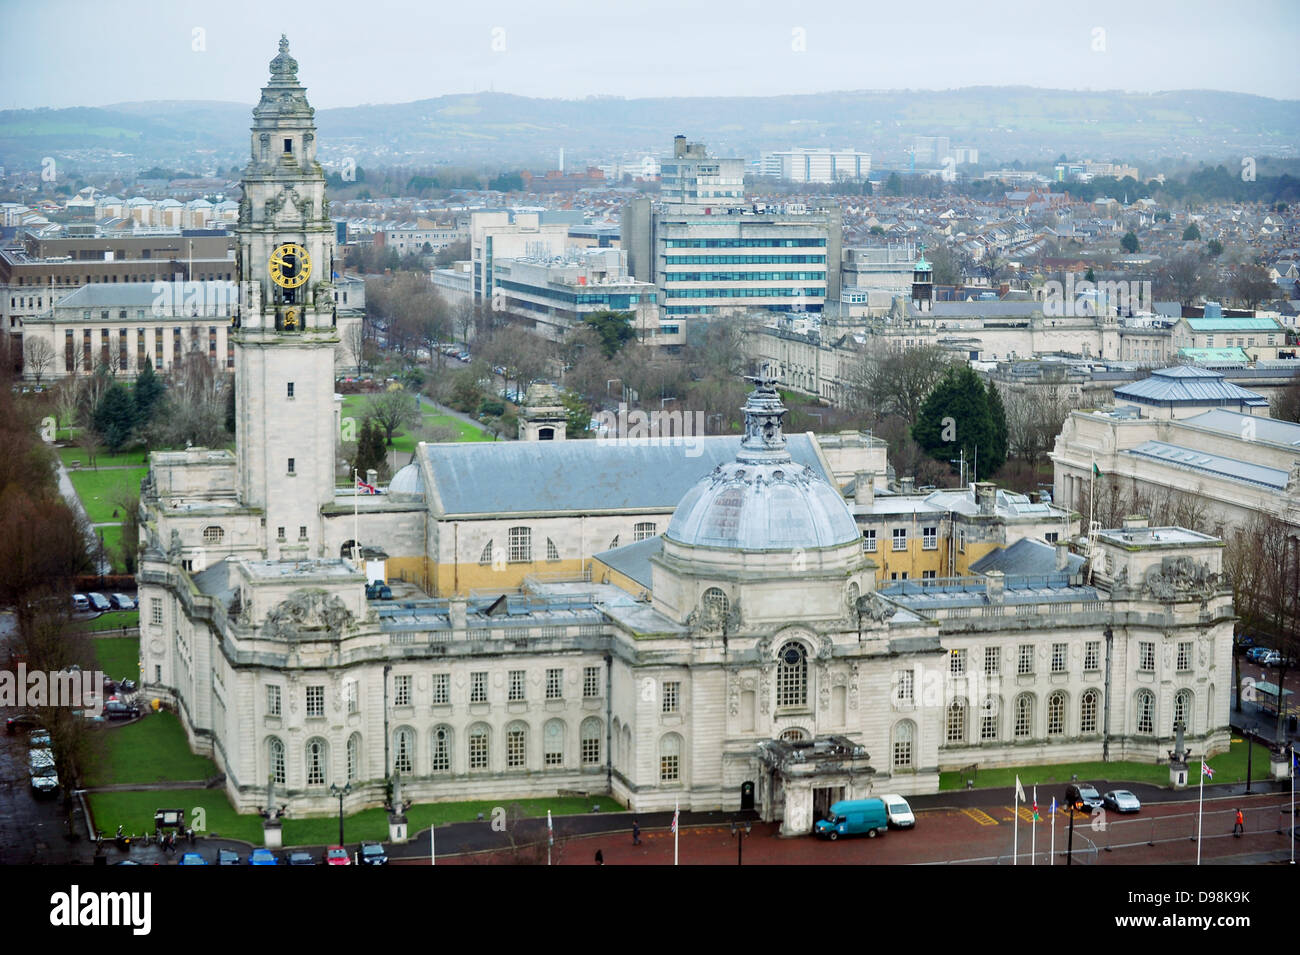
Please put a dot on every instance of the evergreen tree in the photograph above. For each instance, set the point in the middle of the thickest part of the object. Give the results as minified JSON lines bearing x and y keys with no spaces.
{"x":371,"y":449}
{"x":955,"y":418}
{"x":149,"y":390}
{"x":115,"y":417}
{"x":1192,"y":233}
{"x":997,"y":453}
{"x":1130,"y":243}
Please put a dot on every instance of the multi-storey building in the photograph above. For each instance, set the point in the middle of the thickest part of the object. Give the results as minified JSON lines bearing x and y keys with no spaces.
{"x":816,"y":165}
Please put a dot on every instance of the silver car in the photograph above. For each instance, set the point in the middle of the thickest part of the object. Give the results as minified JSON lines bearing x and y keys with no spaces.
{"x":1121,"y":800}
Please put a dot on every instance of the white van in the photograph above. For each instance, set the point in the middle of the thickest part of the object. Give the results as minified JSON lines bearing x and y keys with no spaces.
{"x":898,"y":811}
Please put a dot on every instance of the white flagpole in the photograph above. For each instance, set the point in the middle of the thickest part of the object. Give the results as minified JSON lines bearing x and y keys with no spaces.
{"x":1033,"y":835}
{"x":1051,"y":858}
{"x":1199,"y":807}
{"x":356,"y":534}
{"x":550,"y":837}
{"x":1015,"y":830}
{"x":1292,"y":802}
{"x":676,"y":828}
{"x":433,"y":853}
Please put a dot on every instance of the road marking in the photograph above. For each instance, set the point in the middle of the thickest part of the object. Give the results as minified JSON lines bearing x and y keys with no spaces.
{"x":1024,"y":813}
{"x":980,"y":816}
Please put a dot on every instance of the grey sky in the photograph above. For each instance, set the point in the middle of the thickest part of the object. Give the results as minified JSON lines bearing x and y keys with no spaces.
{"x":91,"y":53}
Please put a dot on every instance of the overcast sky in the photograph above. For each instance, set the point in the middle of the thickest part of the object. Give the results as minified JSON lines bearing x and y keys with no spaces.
{"x":92,"y":53}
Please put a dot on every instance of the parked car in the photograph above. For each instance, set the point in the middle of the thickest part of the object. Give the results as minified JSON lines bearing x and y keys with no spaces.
{"x":39,"y":739}
{"x":1255,"y":653}
{"x":337,"y":855}
{"x":373,"y":853}
{"x":192,"y":858}
{"x":263,"y":857}
{"x":123,"y":601}
{"x":898,"y":811}
{"x":301,"y":858}
{"x":80,"y":603}
{"x":127,"y":686}
{"x":1121,"y":800}
{"x":1077,"y":793}
{"x":117,"y":710}
{"x":44,"y":777}
{"x":1244,"y":640}
{"x":228,"y":857}
{"x":1270,"y":658}
{"x":99,"y":602}
{"x":19,"y":720}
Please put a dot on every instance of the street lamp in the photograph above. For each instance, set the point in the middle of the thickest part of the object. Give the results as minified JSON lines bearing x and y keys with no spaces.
{"x":740,"y":831}
{"x":336,"y":791}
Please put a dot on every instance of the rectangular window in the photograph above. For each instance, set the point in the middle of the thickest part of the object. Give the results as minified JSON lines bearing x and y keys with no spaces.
{"x":555,"y":684}
{"x":869,"y":540}
{"x":155,"y":610}
{"x":957,"y":663}
{"x":672,"y":696}
{"x":669,"y":767}
{"x":1092,"y":655}
{"x":478,"y":750}
{"x":350,"y":696}
{"x":272,"y":701}
{"x":1146,"y":655}
{"x":1026,"y":662}
{"x":1059,"y":653}
{"x":402,"y":690}
{"x":279,"y":533}
{"x":929,"y":538}
{"x":521,"y":545}
{"x":643,"y":530}
{"x":315,"y":701}
{"x":1185,"y":656}
{"x":927,"y":575}
{"x":291,"y":465}
{"x":442,"y":688}
{"x":900,"y":538}
{"x":290,"y":390}
{"x":478,"y":687}
{"x":516,"y":686}
{"x":590,"y":749}
{"x":590,"y":682}
{"x":302,"y":532}
{"x":903,"y":686}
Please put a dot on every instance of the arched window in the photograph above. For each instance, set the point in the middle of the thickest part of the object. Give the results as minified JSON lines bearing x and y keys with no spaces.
{"x":794,"y":735}
{"x":1024,"y":716}
{"x":1183,"y":710}
{"x":404,"y":751}
{"x":1146,"y":713}
{"x":479,"y":741}
{"x":316,"y":762}
{"x":792,"y":675}
{"x":989,"y":719}
{"x":1056,"y":714}
{"x":521,"y":545}
{"x":627,"y":747}
{"x":552,"y":552}
{"x":441,"y":750}
{"x":516,"y":746}
{"x":1088,"y":712}
{"x":213,"y":534}
{"x":670,"y":758}
{"x":590,"y":735}
{"x":485,"y":556}
{"x":553,"y":743}
{"x":957,"y":721}
{"x":715,"y":603}
{"x":275,"y":756}
{"x":617,"y":737}
{"x":354,"y":757}
{"x":904,"y":734}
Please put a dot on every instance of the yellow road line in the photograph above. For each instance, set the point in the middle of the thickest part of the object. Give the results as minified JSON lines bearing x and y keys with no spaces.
{"x":980,"y":816}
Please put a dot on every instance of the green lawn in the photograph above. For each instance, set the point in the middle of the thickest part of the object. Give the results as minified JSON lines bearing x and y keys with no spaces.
{"x":1228,"y":767}
{"x":114,"y":620}
{"x":97,"y":489}
{"x":134,"y":812}
{"x":119,"y":657}
{"x":150,"y":750}
{"x":404,"y":441}
{"x":112,"y":537}
{"x":102,"y":460}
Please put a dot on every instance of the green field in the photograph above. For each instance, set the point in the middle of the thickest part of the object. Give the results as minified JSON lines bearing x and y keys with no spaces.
{"x":97,"y":490}
{"x":404,"y":441}
{"x":112,"y":538}
{"x":133,"y":811}
{"x":102,"y":460}
{"x":114,"y":620}
{"x":1229,"y":767}
{"x":119,"y":657}
{"x":150,"y":750}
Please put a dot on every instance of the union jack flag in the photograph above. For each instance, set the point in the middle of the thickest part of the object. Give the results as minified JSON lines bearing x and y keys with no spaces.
{"x":365,"y":488}
{"x":676,"y":812}
{"x":1207,"y":771}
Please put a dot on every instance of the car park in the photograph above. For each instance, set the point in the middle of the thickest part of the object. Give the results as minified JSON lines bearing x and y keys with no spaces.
{"x":99,"y":602}
{"x":1270,"y":658}
{"x":123,"y":601}
{"x":301,"y":858}
{"x":373,"y":853}
{"x":44,"y":777}
{"x":80,"y":603}
{"x":39,"y":739}
{"x":1121,"y":800}
{"x":192,"y":858}
{"x":1077,"y":793}
{"x":263,"y":857}
{"x":337,"y":855}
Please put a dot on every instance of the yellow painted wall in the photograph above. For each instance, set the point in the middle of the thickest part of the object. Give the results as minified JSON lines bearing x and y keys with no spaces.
{"x":446,"y":580}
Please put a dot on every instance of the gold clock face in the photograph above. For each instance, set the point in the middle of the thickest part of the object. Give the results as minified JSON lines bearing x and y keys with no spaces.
{"x":290,"y":265}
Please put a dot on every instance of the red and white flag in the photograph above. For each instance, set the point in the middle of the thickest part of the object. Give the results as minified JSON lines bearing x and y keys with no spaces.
{"x":365,"y":488}
{"x":676,"y":812}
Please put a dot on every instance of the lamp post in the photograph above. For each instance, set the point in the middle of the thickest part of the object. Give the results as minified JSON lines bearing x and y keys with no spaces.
{"x":740,"y":831}
{"x":336,"y":791}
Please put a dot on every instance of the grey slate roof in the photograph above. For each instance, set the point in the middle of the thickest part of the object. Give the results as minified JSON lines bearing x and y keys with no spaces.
{"x":1265,"y":429}
{"x":522,"y":477}
{"x":1025,"y":556}
{"x":1187,"y":384}
{"x":634,"y":559}
{"x":1216,"y":464}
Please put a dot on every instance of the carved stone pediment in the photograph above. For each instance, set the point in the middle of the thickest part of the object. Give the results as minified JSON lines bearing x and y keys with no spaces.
{"x":308,"y":615}
{"x":1181,"y":577}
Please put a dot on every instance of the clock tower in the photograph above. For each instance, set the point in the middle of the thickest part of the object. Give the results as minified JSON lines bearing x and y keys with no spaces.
{"x":285,"y":331}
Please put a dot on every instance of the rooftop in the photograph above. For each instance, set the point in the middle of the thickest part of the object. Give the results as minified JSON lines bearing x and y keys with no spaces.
{"x":1235,"y":423}
{"x":1219,"y":465}
{"x":1188,"y":384}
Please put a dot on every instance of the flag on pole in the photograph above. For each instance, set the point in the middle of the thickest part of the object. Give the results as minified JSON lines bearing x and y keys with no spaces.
{"x":1206,"y":770}
{"x":365,"y":488}
{"x":1096,"y":471}
{"x":1035,"y":804}
{"x":1052,"y":809}
{"x":550,"y":830}
{"x":675,"y":814}
{"x":1020,"y":791}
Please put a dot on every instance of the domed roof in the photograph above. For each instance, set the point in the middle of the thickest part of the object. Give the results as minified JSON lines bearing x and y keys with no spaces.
{"x":763,"y":500}
{"x":407,"y":482}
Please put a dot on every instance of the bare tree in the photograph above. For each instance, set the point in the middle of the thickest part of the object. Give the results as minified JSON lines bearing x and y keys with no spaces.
{"x":893,"y":381}
{"x":38,"y":358}
{"x":392,"y":410}
{"x":1251,"y":285}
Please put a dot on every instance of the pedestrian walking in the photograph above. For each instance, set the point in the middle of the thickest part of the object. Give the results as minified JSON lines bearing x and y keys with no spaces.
{"x":1239,"y":826}
{"x":600,"y":857}
{"x":636,"y":833}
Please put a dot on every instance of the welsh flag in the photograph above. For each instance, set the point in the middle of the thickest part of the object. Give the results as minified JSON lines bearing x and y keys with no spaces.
{"x":1096,"y":471}
{"x":1035,"y":804}
{"x":365,"y":488}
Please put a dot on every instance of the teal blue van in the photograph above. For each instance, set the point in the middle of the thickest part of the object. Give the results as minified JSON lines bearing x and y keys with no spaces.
{"x":851,"y":817}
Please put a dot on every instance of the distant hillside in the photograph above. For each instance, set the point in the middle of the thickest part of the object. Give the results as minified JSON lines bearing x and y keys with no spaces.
{"x":1003,"y":122}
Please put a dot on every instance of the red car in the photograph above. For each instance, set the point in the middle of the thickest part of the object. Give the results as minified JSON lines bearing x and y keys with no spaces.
{"x":337,"y":855}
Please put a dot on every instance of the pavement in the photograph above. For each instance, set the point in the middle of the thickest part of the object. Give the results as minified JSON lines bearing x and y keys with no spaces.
{"x":92,"y":539}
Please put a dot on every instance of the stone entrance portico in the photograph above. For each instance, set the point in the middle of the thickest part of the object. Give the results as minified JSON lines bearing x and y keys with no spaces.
{"x":802,"y":779}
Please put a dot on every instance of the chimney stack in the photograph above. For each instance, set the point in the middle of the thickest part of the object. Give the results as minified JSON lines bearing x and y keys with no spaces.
{"x":1062,"y":555}
{"x":907,"y":485}
{"x":986,"y":496}
{"x":864,"y":488}
{"x":994,"y":582}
